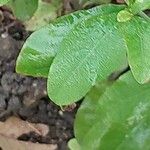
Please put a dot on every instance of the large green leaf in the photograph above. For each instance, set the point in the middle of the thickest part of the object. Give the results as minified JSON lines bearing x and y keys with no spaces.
{"x":41,"y":47}
{"x":23,"y":9}
{"x":46,"y":12}
{"x":137,"y":35}
{"x":93,"y":50}
{"x":115,"y":117}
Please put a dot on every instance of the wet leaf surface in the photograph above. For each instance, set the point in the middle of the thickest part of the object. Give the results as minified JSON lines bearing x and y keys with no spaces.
{"x":92,"y":51}
{"x":42,"y":46}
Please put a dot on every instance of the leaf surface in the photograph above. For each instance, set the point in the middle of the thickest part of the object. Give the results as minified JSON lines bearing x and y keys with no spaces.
{"x":42,"y":46}
{"x":115,"y":116}
{"x":93,"y":50}
{"x":136,"y":34}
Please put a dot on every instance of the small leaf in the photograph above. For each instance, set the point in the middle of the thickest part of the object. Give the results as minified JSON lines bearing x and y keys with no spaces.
{"x":42,"y":46}
{"x":46,"y":12}
{"x":73,"y":144}
{"x":124,"y":16}
{"x":137,"y":34}
{"x":3,"y":2}
{"x":118,"y":118}
{"x":92,"y":51}
{"x":23,"y":9}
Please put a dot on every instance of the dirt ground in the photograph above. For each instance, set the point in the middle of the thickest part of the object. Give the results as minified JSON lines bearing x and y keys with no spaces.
{"x":26,"y":97}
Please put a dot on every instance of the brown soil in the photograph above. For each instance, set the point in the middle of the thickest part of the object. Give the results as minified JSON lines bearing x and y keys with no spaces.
{"x":26,"y":97}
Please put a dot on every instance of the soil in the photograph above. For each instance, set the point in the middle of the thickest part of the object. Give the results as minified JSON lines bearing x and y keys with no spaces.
{"x":26,"y":97}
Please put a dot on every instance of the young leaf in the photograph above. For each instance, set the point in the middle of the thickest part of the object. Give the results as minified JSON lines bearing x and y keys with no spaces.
{"x":23,"y":9}
{"x":73,"y":144}
{"x":41,"y":47}
{"x":118,"y":118}
{"x":93,"y":50}
{"x":137,"y":34}
{"x":46,"y":12}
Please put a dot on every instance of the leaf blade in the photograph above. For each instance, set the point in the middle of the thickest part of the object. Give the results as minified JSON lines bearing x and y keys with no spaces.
{"x":137,"y":32}
{"x":42,"y":46}
{"x":85,"y":56}
{"x":117,"y":118}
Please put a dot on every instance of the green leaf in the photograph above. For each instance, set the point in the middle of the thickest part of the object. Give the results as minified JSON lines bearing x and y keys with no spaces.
{"x":73,"y":144}
{"x":23,"y":9}
{"x":124,"y":15}
{"x":46,"y":12}
{"x":93,"y":50}
{"x":3,"y":2}
{"x":41,"y":47}
{"x":137,"y":37}
{"x":118,"y":118}
{"x":140,"y":5}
